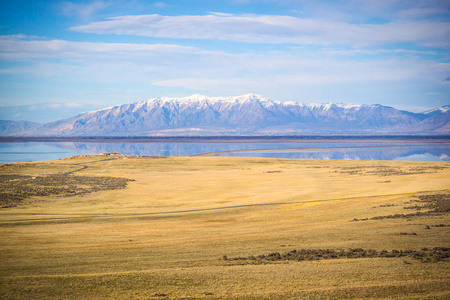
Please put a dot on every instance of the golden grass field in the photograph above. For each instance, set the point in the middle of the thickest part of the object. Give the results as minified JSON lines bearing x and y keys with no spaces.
{"x":164,"y":236}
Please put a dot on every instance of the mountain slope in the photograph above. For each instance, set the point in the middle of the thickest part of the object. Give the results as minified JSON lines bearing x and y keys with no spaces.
{"x":437,"y":111}
{"x":241,"y":115}
{"x":439,"y":124}
{"x":8,"y":127}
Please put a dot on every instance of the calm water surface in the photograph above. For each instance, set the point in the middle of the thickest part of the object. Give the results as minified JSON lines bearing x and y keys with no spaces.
{"x":369,"y":150}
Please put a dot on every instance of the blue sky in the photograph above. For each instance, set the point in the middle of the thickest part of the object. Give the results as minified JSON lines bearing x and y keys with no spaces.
{"x":103,"y":53}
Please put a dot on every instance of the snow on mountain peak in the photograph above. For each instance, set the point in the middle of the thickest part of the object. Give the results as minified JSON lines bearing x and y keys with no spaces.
{"x":200,"y":98}
{"x":329,"y":105}
{"x":442,"y":110}
{"x":99,"y":110}
{"x":445,"y":108}
{"x":250,"y":98}
{"x":196,"y":97}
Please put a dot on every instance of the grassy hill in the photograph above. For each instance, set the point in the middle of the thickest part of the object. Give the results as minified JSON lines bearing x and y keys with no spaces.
{"x":126,"y":227}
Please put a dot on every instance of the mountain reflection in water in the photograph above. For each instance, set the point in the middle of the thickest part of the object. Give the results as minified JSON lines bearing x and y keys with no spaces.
{"x":368,"y":150}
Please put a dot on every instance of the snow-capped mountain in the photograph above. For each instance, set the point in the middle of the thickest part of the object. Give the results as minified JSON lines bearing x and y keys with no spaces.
{"x":242,"y":115}
{"x":437,"y":111}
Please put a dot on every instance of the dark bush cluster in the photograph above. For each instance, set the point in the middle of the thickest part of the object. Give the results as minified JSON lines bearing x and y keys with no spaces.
{"x":435,"y":204}
{"x":425,"y":255}
{"x":387,"y":170}
{"x":396,"y":216}
{"x":386,"y":205}
{"x":10,"y":167}
{"x":15,"y":188}
{"x":438,"y":203}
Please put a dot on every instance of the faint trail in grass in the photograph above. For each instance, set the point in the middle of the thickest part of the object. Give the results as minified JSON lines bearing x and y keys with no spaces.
{"x":78,"y":216}
{"x":85,"y":166}
{"x":82,"y":168}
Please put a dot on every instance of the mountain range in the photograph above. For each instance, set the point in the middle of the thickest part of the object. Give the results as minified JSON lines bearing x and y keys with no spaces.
{"x":248,"y":114}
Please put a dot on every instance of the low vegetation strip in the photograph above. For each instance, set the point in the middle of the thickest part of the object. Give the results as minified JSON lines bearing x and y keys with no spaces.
{"x":425,"y":255}
{"x":15,"y":188}
{"x":381,"y":170}
{"x":425,"y":205}
{"x":10,"y":167}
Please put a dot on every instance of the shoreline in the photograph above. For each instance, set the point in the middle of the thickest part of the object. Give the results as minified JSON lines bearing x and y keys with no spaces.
{"x":211,"y":146}
{"x":235,"y":139}
{"x":349,"y":148}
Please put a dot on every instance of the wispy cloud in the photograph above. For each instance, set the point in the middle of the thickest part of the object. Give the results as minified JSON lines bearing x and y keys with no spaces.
{"x":353,"y":52}
{"x":20,"y":47}
{"x":82,"y":10}
{"x":303,"y":71}
{"x":160,"y":5}
{"x":419,"y":12}
{"x":296,"y":49}
{"x":363,"y":11}
{"x":412,"y":108}
{"x":173,"y":65}
{"x":274,"y":29}
{"x":67,"y":104}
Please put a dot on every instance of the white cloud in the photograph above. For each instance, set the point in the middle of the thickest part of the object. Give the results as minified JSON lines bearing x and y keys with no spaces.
{"x":174,"y":67}
{"x":83,"y":10}
{"x":412,"y":108}
{"x":54,"y":105}
{"x":160,"y":5}
{"x":72,"y":104}
{"x":419,"y":12}
{"x":13,"y":47}
{"x":274,"y":29}
{"x":66,"y":104}
{"x":377,"y":52}
{"x":360,"y":11}
{"x":265,"y":74}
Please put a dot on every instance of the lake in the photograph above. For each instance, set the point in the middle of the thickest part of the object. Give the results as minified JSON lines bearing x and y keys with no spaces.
{"x":419,"y":150}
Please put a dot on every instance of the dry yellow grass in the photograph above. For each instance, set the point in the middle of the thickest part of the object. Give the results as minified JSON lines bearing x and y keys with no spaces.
{"x":165,"y":234}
